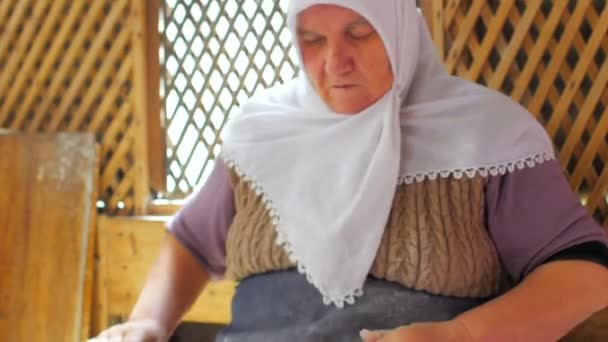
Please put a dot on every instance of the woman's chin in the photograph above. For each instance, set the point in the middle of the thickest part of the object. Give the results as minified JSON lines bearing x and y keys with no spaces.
{"x":349,"y":105}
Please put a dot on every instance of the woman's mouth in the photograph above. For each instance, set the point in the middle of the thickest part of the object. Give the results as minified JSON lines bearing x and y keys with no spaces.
{"x":343,"y":86}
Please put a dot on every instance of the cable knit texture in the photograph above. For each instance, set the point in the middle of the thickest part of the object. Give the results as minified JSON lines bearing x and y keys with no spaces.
{"x":435,"y":239}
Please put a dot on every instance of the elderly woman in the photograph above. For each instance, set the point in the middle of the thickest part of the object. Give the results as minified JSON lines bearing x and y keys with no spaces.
{"x":377,"y":196}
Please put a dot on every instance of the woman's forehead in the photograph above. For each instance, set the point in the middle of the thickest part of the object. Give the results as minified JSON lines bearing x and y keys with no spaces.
{"x":325,"y":16}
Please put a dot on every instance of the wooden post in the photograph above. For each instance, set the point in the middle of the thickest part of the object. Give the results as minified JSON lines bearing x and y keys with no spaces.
{"x":437,"y":30}
{"x":89,"y":276}
{"x":100,"y":316}
{"x":141,"y":106}
{"x":426,"y":6}
{"x":156,"y":137}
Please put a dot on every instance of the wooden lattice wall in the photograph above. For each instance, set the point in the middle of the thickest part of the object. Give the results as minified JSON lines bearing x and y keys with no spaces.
{"x":216,"y":54}
{"x":81,"y":66}
{"x":78,"y":65}
{"x":551,"y":57}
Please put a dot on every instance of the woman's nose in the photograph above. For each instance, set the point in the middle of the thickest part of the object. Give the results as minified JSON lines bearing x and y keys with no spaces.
{"x":339,"y":60}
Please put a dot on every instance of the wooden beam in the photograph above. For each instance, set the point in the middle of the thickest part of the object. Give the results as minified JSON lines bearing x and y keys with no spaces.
{"x":156,"y":136}
{"x":426,"y":7}
{"x":141,"y":105}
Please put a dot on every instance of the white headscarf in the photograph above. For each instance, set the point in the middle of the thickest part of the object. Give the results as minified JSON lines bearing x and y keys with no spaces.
{"x":328,"y":180}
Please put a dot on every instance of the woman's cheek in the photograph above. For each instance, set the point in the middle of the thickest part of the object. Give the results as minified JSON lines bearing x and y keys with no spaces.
{"x":312,"y":66}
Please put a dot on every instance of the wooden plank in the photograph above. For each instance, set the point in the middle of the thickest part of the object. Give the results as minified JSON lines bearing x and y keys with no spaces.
{"x":108,"y":108}
{"x":4,"y":8}
{"x":20,"y":83}
{"x":472,"y":44}
{"x":20,"y":50}
{"x":437,"y":31}
{"x":35,"y":86}
{"x":165,"y":207}
{"x":507,"y":59}
{"x":48,"y":68}
{"x":140,"y":105}
{"x":156,"y":132}
{"x":46,"y":215}
{"x":96,"y":89}
{"x":99,"y":314}
{"x":86,"y":67}
{"x":119,"y":122}
{"x":121,"y":190}
{"x":583,"y":116}
{"x":586,"y":58}
{"x":558,"y":56}
{"x":119,"y":152}
{"x":130,"y":246}
{"x":591,"y":150}
{"x":480,"y":57}
{"x":579,"y":99}
{"x":598,"y":194}
{"x":536,"y":53}
{"x":451,"y":7}
{"x":10,"y":34}
{"x":89,"y":277}
{"x":426,"y":8}
{"x":465,"y":30}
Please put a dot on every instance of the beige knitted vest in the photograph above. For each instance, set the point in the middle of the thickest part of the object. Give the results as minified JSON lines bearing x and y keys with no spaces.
{"x":435,"y":239}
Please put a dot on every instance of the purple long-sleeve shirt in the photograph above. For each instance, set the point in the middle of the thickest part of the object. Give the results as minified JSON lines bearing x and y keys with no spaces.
{"x":532,"y":214}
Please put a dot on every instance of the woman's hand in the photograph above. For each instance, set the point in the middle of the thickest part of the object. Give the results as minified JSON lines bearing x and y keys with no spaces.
{"x":421,"y":332}
{"x":145,"y":330}
{"x":174,"y":282}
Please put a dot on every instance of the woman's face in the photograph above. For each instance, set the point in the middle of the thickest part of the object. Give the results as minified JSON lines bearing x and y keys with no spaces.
{"x":344,"y":57}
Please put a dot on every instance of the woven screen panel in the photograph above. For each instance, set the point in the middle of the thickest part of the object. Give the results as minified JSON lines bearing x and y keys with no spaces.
{"x":214,"y":55}
{"x":551,"y":57}
{"x":69,"y":66}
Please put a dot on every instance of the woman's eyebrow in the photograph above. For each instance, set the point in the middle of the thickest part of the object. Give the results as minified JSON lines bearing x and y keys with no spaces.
{"x":302,"y":31}
{"x":353,"y":24}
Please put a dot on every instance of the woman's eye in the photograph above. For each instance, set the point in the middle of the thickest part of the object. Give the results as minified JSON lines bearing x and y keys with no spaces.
{"x":315,"y":40}
{"x":310,"y":38}
{"x":361,"y":32}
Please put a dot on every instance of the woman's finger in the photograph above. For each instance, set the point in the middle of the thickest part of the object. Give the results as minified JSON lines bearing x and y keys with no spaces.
{"x":118,"y":329}
{"x":141,"y":336}
{"x":99,"y":339}
{"x":116,"y":338}
{"x":112,"y":334}
{"x":372,"y":336}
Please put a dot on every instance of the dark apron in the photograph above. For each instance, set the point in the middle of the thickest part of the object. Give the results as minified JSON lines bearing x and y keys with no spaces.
{"x":284,"y":307}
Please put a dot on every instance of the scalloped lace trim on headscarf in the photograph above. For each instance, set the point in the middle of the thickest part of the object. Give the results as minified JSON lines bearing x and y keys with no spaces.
{"x":492,"y":170}
{"x":282,"y":241}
